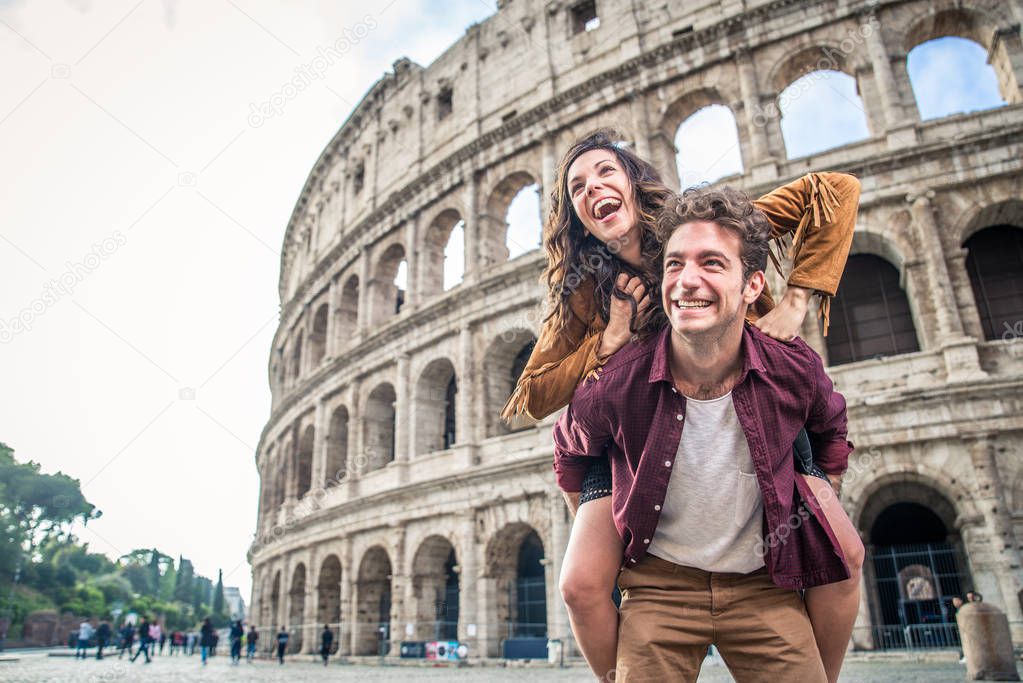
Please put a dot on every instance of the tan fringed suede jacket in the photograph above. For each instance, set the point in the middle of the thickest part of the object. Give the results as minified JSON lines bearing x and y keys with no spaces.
{"x":816,"y":212}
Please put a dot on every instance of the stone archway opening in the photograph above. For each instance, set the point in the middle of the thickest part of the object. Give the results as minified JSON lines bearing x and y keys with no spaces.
{"x":503,"y":364}
{"x":915,"y":565}
{"x":373,"y":596}
{"x":435,"y":587}
{"x":516,"y":563}
{"x":435,"y":403}
{"x":328,"y":589}
{"x":296,"y":609}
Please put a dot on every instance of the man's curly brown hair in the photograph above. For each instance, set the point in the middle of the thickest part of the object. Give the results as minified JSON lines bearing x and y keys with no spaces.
{"x":729,"y":208}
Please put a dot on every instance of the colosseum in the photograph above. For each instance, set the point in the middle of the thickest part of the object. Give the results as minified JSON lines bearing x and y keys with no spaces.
{"x":397,"y":507}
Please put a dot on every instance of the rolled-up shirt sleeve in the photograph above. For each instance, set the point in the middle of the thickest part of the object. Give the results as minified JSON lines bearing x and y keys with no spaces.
{"x":828,"y":424}
{"x":582,"y":432}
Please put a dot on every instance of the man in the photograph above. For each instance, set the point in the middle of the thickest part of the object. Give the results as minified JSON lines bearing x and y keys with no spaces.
{"x":250,"y":644}
{"x":102,"y":638}
{"x":282,"y":643}
{"x":237,"y":631}
{"x":144,"y":640}
{"x":699,"y":422}
{"x":127,"y":638}
{"x":326,"y":640}
{"x":85,"y":632}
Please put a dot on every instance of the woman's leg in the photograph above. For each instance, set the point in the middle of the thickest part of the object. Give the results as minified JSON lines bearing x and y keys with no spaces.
{"x":833,"y":608}
{"x":588,"y":573}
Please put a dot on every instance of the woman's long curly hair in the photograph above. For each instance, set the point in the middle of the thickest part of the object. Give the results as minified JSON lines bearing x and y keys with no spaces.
{"x":573,"y":255}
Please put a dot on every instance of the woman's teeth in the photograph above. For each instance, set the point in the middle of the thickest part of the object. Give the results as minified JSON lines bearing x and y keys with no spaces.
{"x":605,"y":207}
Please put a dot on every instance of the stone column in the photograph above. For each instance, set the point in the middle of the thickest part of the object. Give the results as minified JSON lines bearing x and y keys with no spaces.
{"x":346,"y":633}
{"x":961,"y":359}
{"x":356,"y":464}
{"x":884,"y":77}
{"x":469,"y":579}
{"x":412,"y":252}
{"x":468,"y":396}
{"x":364,"y":314}
{"x":990,"y":499}
{"x":333,"y":311}
{"x":548,"y":173}
{"x":404,"y":449}
{"x":400,"y":579}
{"x":309,"y":631}
{"x":640,"y":122}
{"x":754,"y":118}
{"x":473,"y":233}
{"x":320,"y":445}
{"x":1006,"y":56}
{"x":557,"y":612}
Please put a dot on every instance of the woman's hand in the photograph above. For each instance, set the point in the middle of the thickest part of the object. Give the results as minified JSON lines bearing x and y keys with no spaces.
{"x":785,"y":319}
{"x":617,"y":334}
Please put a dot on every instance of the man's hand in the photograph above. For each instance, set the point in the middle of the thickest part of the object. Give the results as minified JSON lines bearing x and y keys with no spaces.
{"x":785,"y":319}
{"x":572,"y":500}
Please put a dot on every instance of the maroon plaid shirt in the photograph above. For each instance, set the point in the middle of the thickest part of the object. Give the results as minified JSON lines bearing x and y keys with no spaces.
{"x":633,"y":413}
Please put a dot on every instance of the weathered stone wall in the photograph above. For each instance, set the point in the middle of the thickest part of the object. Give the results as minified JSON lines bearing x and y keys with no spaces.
{"x":941,"y":427}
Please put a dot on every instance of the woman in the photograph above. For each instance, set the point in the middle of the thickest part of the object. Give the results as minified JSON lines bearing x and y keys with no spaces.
{"x":603,"y":262}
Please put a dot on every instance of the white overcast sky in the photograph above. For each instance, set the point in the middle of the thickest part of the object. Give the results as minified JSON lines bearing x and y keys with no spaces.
{"x":132,"y":174}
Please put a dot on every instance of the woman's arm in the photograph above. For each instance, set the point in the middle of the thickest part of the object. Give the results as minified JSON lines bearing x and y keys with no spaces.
{"x":817,"y":212}
{"x":560,"y":359}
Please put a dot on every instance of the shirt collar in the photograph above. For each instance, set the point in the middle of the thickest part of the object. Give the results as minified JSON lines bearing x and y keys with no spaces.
{"x":660,"y":368}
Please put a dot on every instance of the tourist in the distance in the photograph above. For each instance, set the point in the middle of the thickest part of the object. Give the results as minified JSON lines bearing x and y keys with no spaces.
{"x":237,"y":632}
{"x":206,"y":639}
{"x":155,"y":636}
{"x":282,"y":644}
{"x":326,"y":641}
{"x":102,"y":638}
{"x":127,"y":638}
{"x":85,"y":631}
{"x":144,"y":640}
{"x":251,"y":638}
{"x":603,"y":265}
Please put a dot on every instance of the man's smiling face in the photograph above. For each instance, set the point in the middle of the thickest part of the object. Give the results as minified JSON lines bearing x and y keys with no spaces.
{"x":703,"y":290}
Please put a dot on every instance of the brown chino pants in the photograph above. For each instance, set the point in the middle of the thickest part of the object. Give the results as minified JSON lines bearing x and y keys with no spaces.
{"x":670,"y":614}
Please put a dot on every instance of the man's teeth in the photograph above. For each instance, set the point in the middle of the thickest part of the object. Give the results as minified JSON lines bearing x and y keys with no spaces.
{"x":695,"y":303}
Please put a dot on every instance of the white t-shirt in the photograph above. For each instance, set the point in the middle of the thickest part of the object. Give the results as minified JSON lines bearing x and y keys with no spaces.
{"x":711,"y":518}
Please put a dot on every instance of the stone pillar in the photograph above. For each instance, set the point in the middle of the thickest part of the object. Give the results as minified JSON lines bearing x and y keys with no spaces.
{"x":320,"y":445}
{"x":548,"y":173}
{"x":310,"y":633}
{"x":404,"y":448}
{"x":356,"y":464}
{"x":346,"y":633}
{"x":557,"y":612}
{"x":473,"y":233}
{"x":640,"y":123}
{"x":467,"y":395}
{"x":333,"y":311}
{"x":364,"y":314}
{"x":990,"y":500}
{"x":961,"y":359}
{"x":987,"y":644}
{"x":884,"y":77}
{"x":760,"y":163}
{"x":1006,"y":56}
{"x":468,"y":588}
{"x":400,"y":580}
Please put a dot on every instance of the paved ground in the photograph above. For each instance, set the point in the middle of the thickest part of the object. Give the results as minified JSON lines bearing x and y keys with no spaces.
{"x":35,"y":668}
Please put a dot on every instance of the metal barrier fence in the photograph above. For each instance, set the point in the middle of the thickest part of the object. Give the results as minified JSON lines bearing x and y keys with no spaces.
{"x":917,"y":637}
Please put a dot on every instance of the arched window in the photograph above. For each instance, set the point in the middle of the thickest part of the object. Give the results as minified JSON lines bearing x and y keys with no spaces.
{"x":870,"y":317}
{"x":820,"y":111}
{"x":951,"y":75}
{"x":304,"y":462}
{"x":337,"y":448}
{"x":400,"y":285}
{"x":435,"y":407}
{"x":318,"y":337}
{"x":449,"y":413}
{"x":296,"y":360}
{"x":995,"y":264}
{"x":454,"y":256}
{"x":707,"y":145}
{"x":531,"y":590}
{"x":389,"y":285}
{"x":379,"y":426}
{"x":523,"y":219}
{"x":348,"y":313}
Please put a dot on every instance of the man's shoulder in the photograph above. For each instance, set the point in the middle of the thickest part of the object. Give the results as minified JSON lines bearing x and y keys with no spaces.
{"x":630,"y":358}
{"x":777,"y":354}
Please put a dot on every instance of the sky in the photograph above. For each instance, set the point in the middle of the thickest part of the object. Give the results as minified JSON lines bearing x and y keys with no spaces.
{"x":142,"y":213}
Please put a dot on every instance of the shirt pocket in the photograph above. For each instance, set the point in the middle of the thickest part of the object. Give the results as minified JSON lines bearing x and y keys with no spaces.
{"x":746,"y":496}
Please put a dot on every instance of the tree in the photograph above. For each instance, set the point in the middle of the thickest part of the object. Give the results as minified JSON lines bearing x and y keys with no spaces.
{"x":218,"y":595}
{"x":184,"y":582}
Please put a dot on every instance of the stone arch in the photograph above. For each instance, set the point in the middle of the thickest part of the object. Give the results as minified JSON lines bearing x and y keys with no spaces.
{"x":519,"y":588}
{"x":500,"y":239}
{"x":328,"y":603}
{"x":871,"y":314}
{"x":981,"y":216}
{"x":348,"y":309}
{"x":304,"y":461}
{"x":434,"y":407}
{"x":703,"y":158}
{"x":435,"y":589}
{"x":502,"y":365}
{"x":994,"y":263}
{"x":387,"y":297}
{"x":337,"y":447}
{"x":433,"y":258}
{"x":318,"y":336}
{"x":379,"y":423}
{"x":818,"y":84}
{"x":373,"y":597}
{"x":296,"y":608}
{"x":951,"y":75}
